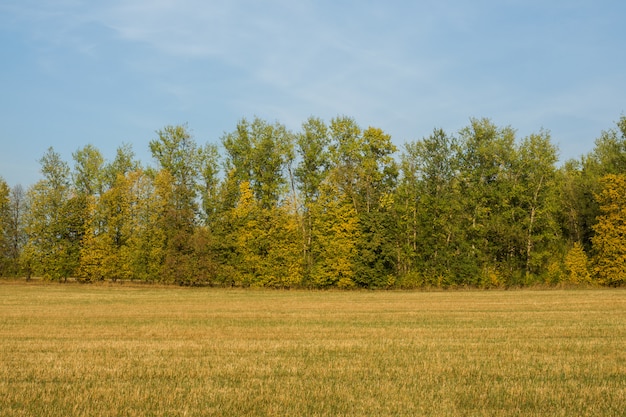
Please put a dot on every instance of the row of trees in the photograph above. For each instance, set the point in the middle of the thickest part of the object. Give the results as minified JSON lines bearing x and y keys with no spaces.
{"x":332,"y":205}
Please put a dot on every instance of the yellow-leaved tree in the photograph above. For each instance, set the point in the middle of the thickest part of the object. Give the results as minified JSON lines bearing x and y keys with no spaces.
{"x":335,"y":233}
{"x":609,"y":242}
{"x":94,"y":250}
{"x":267,"y":243}
{"x":576,"y":265}
{"x":4,"y":225}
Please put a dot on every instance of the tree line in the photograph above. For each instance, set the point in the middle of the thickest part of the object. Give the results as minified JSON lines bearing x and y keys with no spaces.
{"x":333,"y":205}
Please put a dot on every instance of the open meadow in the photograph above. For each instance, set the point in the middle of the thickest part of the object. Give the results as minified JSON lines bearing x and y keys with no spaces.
{"x":115,"y":350}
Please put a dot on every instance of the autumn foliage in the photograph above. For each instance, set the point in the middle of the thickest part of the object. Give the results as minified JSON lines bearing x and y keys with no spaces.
{"x":331,"y":206}
{"x":609,"y":241}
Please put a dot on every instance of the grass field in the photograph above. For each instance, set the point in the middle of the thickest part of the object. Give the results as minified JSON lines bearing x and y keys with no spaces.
{"x":80,"y":350}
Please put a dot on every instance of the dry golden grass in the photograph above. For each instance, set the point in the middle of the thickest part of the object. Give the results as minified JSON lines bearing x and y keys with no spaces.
{"x":116,"y":351}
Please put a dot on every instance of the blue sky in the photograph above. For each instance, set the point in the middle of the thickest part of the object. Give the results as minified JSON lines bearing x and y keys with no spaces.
{"x":110,"y":72}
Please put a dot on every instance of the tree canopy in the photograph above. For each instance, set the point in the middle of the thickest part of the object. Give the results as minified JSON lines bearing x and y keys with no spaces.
{"x":332,"y":205}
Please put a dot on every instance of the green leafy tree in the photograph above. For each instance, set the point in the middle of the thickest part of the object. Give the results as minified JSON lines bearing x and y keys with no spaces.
{"x":583,"y":183}
{"x":312,"y":148}
{"x":346,"y":155}
{"x":179,"y":161}
{"x":87,"y":187}
{"x":377,"y":246}
{"x":123,"y":164}
{"x":74,"y":214}
{"x":364,"y":171}
{"x":258,"y":153}
{"x":52,"y":221}
{"x":536,"y":195}
{"x":429,"y":211}
{"x":571,"y":191}
{"x":509,"y":194}
{"x":177,"y":152}
{"x":210,"y":182}
{"x":255,"y":235}
{"x":88,"y":174}
{"x":486,"y":167}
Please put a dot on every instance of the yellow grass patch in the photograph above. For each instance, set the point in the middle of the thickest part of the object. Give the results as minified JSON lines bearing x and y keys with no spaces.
{"x":116,"y":351}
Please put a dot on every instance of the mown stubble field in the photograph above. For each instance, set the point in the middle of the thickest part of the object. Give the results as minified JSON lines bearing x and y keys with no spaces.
{"x":84,"y":350}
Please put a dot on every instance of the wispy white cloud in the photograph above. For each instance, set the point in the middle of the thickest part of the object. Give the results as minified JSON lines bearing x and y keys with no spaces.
{"x":404,"y":66}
